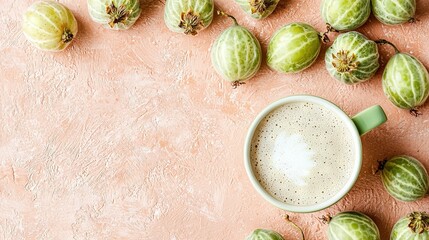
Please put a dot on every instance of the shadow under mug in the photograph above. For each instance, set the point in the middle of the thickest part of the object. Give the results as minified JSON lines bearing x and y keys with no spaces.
{"x":358,"y":125}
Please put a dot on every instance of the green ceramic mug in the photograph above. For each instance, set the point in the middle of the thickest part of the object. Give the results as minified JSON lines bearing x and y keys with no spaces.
{"x":358,"y":125}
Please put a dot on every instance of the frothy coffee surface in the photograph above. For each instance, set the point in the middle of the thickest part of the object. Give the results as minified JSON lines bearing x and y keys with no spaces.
{"x":302,"y":153}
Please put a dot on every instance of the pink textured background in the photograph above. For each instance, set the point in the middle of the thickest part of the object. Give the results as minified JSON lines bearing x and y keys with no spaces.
{"x":132,"y":135}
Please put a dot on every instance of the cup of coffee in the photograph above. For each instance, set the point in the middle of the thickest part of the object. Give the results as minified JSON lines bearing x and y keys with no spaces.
{"x":303,"y":153}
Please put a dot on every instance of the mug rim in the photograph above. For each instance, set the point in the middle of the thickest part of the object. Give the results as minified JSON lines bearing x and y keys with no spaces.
{"x":357,"y":147}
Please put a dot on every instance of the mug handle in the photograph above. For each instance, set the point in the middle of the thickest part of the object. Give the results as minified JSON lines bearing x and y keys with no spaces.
{"x":369,"y":119}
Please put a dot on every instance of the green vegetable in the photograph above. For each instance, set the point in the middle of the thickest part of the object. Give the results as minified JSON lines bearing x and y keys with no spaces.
{"x":258,"y":9}
{"x":346,"y":15}
{"x":264,"y":234}
{"x":188,"y":16}
{"x":394,"y":11}
{"x":352,"y":226}
{"x":114,"y":14}
{"x":352,"y":58}
{"x":405,"y":80}
{"x":414,"y":226}
{"x":236,"y":54}
{"x":404,"y":178}
{"x":49,"y":25}
{"x":293,"y":48}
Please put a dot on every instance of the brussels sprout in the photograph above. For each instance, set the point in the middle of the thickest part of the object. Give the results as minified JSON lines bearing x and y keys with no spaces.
{"x":293,"y":48}
{"x":49,"y":25}
{"x":352,"y":58}
{"x":405,"y":80}
{"x":236,"y":54}
{"x":346,"y":15}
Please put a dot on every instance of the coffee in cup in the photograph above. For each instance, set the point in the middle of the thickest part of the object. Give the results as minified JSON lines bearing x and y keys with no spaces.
{"x":302,"y":153}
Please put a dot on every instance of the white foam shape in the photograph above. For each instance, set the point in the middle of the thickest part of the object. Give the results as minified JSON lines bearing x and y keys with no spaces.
{"x":292,"y":157}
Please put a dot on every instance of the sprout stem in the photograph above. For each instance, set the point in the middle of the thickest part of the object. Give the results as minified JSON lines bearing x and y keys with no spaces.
{"x":383,"y":41}
{"x":326,"y":218}
{"x":222,"y":13}
{"x":324,"y":36}
{"x":381,"y":164}
{"x":237,"y":84}
{"x":286,"y":217}
{"x":415,"y":112}
{"x":329,"y":28}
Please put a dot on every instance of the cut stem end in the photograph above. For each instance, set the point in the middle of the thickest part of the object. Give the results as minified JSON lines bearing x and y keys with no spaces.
{"x":237,"y":84}
{"x":419,"y":222}
{"x":67,"y":36}
{"x":344,"y":61}
{"x":191,"y":22}
{"x":117,"y":14}
{"x":260,"y":6}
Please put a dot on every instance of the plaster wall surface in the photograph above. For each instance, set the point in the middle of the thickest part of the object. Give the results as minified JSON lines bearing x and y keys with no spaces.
{"x":132,"y":134}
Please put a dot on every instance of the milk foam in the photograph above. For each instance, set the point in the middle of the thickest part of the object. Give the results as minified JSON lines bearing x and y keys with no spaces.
{"x":302,"y":153}
{"x":292,"y":157}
